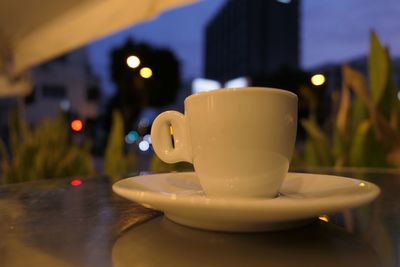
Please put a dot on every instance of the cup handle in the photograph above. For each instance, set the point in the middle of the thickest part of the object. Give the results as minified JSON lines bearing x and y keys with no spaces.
{"x":162,"y":140}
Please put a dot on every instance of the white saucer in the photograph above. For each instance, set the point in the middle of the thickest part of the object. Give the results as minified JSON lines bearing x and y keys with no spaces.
{"x":302,"y":197}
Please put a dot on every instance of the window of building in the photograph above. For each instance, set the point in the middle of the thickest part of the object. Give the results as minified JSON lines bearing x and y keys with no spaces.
{"x":54,"y":91}
{"x":93,"y":93}
{"x":30,"y":99}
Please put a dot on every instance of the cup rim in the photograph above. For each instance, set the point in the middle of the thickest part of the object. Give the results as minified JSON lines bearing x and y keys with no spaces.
{"x":242,"y":89}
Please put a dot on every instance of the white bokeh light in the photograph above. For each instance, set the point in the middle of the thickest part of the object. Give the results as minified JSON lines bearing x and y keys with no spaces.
{"x":144,"y":145}
{"x":133,"y":62}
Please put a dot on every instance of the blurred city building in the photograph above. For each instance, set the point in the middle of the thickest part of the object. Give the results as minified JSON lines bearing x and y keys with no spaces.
{"x":64,"y":84}
{"x":253,"y":39}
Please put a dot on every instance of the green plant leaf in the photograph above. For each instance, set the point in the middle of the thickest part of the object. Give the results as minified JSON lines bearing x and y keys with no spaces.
{"x":46,"y":152}
{"x":378,"y":68}
{"x":343,"y":112}
{"x":114,"y":159}
{"x":319,"y":142}
{"x":358,"y":150}
{"x":339,"y":149}
{"x":359,"y":113}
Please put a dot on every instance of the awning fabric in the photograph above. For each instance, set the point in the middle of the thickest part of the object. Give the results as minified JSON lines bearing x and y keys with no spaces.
{"x":32,"y":32}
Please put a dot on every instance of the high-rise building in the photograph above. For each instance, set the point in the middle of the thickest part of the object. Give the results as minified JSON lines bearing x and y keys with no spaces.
{"x":252,"y":38}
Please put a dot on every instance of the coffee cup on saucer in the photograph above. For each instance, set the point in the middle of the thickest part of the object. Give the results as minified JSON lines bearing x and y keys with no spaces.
{"x":240,"y":140}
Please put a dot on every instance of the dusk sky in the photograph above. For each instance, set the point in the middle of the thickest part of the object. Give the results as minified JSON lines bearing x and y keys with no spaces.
{"x":331,"y":31}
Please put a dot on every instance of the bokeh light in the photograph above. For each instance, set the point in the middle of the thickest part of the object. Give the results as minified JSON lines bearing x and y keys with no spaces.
{"x":318,"y":79}
{"x":324,"y":218}
{"x":131,"y":137}
{"x":76,"y":125}
{"x":133,"y":62}
{"x":284,"y":1}
{"x":147,"y":138}
{"x":76,"y":182}
{"x":144,"y":145}
{"x":146,"y":72}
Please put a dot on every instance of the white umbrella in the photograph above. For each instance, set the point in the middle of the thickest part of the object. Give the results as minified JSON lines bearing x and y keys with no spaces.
{"x":32,"y":32}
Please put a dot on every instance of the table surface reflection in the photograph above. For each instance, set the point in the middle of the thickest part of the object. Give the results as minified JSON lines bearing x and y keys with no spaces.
{"x":52,"y":223}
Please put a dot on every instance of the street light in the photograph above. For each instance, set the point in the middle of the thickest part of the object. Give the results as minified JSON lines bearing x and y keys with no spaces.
{"x":76,"y":125}
{"x":133,"y":62}
{"x":318,"y":79}
{"x":146,"y":72}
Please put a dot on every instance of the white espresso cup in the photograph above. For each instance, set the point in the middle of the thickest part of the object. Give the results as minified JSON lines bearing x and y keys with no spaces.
{"x":240,"y":140}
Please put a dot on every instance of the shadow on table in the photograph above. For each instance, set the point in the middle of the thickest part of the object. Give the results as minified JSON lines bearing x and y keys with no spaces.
{"x":161,"y":242}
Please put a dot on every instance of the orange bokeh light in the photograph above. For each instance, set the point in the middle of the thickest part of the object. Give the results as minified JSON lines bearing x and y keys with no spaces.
{"x":77,"y":125}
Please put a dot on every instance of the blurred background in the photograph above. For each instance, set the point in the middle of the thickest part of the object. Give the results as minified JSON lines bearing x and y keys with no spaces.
{"x":89,"y":110}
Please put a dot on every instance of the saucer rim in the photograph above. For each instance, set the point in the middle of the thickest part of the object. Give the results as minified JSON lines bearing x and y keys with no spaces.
{"x":243,"y":214}
{"x":279,"y":202}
